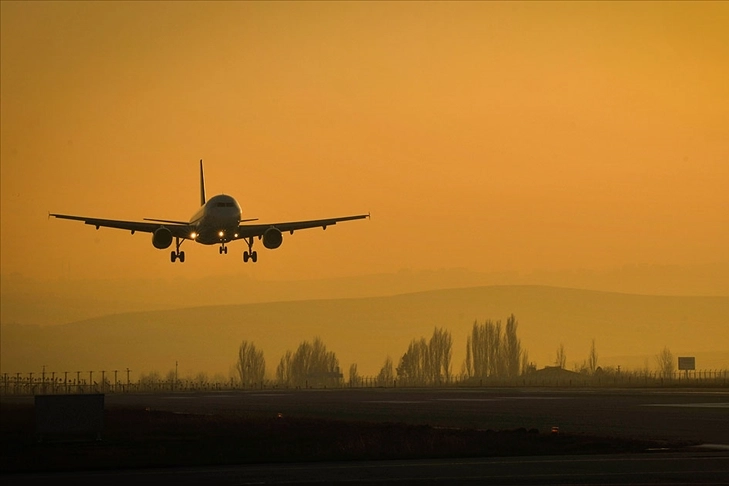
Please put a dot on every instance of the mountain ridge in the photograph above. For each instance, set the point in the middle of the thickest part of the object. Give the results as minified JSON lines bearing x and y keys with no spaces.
{"x":366,"y":330}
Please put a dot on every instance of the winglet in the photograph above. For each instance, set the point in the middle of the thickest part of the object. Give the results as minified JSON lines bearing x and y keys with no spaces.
{"x":202,"y":185}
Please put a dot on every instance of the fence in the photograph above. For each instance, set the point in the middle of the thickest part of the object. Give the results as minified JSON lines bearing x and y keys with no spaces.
{"x":62,"y":383}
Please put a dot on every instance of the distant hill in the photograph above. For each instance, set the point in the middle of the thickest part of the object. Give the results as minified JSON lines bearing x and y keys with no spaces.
{"x":60,"y":301}
{"x":366,"y":330}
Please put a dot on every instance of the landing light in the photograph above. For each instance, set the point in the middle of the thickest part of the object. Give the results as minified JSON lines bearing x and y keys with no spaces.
{"x":236,"y":235}
{"x":221,"y":234}
{"x":193,"y":235}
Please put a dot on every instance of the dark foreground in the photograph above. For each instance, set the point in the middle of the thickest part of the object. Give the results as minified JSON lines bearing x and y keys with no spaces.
{"x":376,"y":436}
{"x":140,"y":438}
{"x":614,"y":469}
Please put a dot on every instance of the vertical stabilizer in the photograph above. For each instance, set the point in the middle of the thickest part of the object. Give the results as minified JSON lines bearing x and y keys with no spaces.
{"x":202,"y":185}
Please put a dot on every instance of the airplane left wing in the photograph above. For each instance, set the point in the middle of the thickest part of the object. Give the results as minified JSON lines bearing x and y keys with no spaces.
{"x":177,"y":230}
{"x":254,"y":230}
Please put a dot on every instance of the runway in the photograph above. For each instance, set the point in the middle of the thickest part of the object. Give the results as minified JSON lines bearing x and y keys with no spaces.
{"x":690,"y":415}
{"x":699,"y":416}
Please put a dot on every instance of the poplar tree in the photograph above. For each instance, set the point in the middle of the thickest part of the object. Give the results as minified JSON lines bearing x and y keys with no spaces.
{"x":251,"y":365}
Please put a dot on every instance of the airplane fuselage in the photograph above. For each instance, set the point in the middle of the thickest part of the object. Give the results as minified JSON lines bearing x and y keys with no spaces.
{"x":217,"y":220}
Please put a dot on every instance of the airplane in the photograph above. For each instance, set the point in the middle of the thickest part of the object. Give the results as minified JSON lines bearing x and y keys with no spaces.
{"x":218,"y":221}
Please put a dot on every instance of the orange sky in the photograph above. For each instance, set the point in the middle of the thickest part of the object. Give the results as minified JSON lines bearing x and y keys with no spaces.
{"x":490,"y":136}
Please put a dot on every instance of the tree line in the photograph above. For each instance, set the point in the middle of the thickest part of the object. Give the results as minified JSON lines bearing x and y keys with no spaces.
{"x":493,"y":351}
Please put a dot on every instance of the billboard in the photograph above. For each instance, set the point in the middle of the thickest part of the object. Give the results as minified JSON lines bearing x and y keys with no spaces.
{"x":686,"y":363}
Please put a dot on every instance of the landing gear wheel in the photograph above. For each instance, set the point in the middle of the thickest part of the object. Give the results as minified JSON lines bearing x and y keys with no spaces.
{"x":250,"y":254}
{"x":176,"y":253}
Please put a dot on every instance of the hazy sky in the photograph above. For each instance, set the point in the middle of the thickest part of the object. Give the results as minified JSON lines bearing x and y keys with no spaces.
{"x":490,"y":136}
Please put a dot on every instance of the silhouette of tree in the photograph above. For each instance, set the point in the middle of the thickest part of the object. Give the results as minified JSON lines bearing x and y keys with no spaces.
{"x":385,"y":376}
{"x":151,"y":378}
{"x":251,"y":365}
{"x":427,"y":362}
{"x":283,"y":370}
{"x":413,"y":364}
{"x":491,"y":352}
{"x":467,"y":370}
{"x":561,"y":360}
{"x":512,"y":348}
{"x":666,"y":365}
{"x":592,"y":359}
{"x":354,"y":378}
{"x":439,"y":352}
{"x":526,"y":366}
{"x":310,"y":364}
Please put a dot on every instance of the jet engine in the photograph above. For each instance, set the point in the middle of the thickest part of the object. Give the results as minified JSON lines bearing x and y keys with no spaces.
{"x":272,"y":238}
{"x":162,"y":238}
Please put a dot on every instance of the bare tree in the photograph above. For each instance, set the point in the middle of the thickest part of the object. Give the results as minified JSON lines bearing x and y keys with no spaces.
{"x":414,"y":363}
{"x":525,"y":365}
{"x":592,"y":359}
{"x":666,"y":365}
{"x":491,"y":352}
{"x":151,"y":378}
{"x":496,"y":360}
{"x":201,"y":379}
{"x":386,"y":376}
{"x":467,"y":371}
{"x":512,"y":348}
{"x":561,"y":360}
{"x":439,"y":356}
{"x":251,"y":365}
{"x":354,"y":378}
{"x":311,"y":363}
{"x":283,"y":371}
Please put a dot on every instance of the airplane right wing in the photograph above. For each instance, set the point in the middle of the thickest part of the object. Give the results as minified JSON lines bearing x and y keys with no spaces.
{"x":255,"y":230}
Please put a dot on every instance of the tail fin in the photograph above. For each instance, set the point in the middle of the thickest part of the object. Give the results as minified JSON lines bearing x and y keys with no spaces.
{"x":202,"y":185}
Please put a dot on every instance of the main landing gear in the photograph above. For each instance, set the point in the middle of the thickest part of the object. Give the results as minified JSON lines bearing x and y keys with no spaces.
{"x":223,"y":249}
{"x":250,"y":254}
{"x":175,"y":254}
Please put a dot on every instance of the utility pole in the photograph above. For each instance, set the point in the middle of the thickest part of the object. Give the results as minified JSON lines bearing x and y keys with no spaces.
{"x":128,"y":371}
{"x":116,"y":382}
{"x":91,"y":380}
{"x":175,"y":385}
{"x":65,"y":381}
{"x":103,"y":381}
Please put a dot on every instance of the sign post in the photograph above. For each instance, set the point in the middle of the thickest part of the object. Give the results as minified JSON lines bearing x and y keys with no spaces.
{"x":686,"y":363}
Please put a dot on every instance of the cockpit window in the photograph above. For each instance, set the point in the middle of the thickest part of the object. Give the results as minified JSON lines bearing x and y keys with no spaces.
{"x":225,"y":205}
